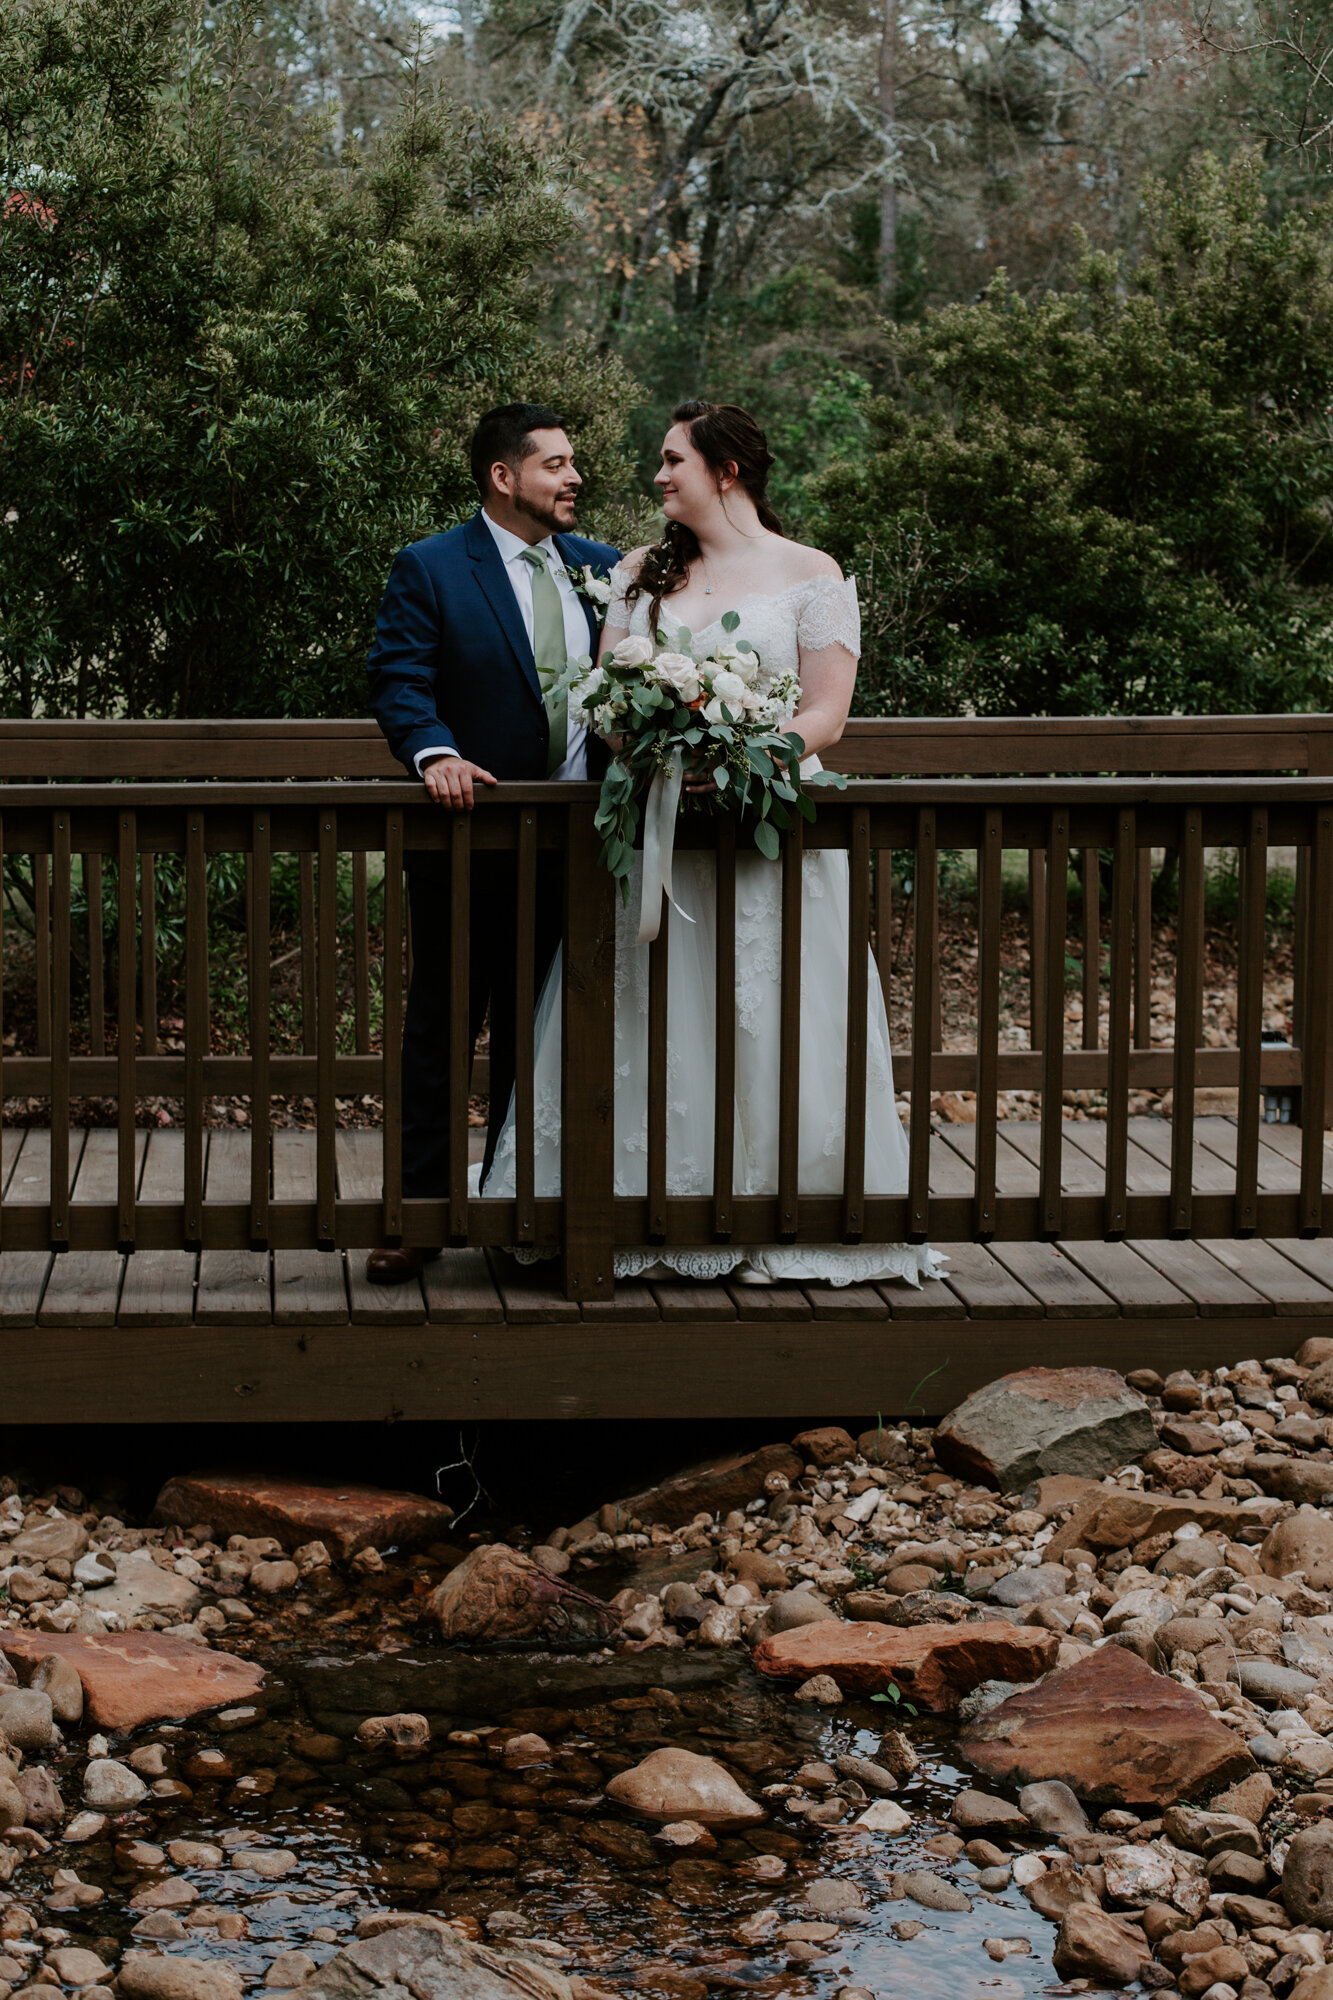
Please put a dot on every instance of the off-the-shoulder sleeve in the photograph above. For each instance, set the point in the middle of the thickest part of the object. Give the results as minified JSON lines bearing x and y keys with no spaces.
{"x":829,"y":616}
{"x":618,"y":611}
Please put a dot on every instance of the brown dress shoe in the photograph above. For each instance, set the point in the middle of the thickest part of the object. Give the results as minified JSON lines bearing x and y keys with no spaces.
{"x":396,"y":1267}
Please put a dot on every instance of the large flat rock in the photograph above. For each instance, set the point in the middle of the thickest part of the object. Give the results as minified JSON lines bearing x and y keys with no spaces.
{"x":1112,"y":1517}
{"x":134,"y":1677}
{"x":440,"y":1684}
{"x":344,"y":1517}
{"x":714,"y":1487}
{"x":935,"y":1665}
{"x":1113,"y":1731}
{"x":1045,"y":1420}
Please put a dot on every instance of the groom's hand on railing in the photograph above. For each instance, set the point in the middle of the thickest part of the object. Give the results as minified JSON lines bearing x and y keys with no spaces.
{"x":450,"y":781}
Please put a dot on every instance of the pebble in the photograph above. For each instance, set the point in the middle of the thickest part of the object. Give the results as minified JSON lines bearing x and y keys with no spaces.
{"x":112,"y":1787}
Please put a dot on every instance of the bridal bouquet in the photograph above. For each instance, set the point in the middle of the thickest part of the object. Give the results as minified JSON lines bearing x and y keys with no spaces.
{"x":671,"y":708}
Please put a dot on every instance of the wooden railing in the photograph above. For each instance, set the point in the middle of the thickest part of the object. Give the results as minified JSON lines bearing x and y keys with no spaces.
{"x":105,"y":839}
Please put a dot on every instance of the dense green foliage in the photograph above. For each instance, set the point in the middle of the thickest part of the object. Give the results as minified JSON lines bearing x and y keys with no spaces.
{"x":235,"y":373}
{"x":1115,"y":497}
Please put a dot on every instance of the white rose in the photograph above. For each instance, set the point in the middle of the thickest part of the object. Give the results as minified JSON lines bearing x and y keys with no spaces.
{"x":713,"y":710}
{"x":597,"y":587}
{"x":731,"y":689}
{"x":679,"y":671}
{"x":634,"y":651}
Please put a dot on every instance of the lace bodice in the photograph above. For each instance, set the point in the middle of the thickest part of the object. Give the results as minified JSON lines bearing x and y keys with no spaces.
{"x":817,"y":613}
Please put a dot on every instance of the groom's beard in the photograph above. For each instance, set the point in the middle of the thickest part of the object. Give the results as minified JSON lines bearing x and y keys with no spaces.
{"x":546,"y":517}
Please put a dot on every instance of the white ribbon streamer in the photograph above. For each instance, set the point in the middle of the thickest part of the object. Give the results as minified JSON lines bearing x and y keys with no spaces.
{"x":659,"y":842}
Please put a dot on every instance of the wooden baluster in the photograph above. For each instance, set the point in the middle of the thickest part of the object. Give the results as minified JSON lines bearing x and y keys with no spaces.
{"x":724,"y":1014}
{"x":1037,"y":944}
{"x":361,"y":950}
{"x":1092,"y":949}
{"x":789,"y":1036}
{"x":1143,"y":949}
{"x":925,"y":904}
{"x":1189,"y":1018}
{"x":41,"y":896}
{"x":858,"y":1005}
{"x":588,"y":1063}
{"x":990,"y":857}
{"x":1300,"y":956}
{"x":1124,"y":877}
{"x":326,"y":1033}
{"x":309,"y":1030}
{"x":525,"y":1001}
{"x":658,"y":990}
{"x":196,"y":1023}
{"x":59,"y":1023}
{"x":1318,"y":983}
{"x":1053,"y":1026}
{"x":92,"y":882}
{"x":148,"y":949}
{"x":392,"y":1058}
{"x":259,"y":886}
{"x":126,"y":1163}
{"x":1250,"y":1015}
{"x":2,"y":1022}
{"x":460,"y":1027}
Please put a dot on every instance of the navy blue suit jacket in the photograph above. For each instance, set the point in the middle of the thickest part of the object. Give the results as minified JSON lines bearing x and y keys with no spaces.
{"x":452,"y":662}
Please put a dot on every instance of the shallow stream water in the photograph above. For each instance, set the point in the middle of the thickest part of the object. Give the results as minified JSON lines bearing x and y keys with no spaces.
{"x":539,"y":1851}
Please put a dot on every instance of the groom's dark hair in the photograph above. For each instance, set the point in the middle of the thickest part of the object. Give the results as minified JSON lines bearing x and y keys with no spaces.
{"x":506,"y":435}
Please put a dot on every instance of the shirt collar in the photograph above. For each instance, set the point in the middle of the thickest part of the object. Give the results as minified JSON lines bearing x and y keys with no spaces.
{"x":512,"y":546}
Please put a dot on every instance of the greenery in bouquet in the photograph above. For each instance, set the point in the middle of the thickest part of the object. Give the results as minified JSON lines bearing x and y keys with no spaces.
{"x":666,"y":707}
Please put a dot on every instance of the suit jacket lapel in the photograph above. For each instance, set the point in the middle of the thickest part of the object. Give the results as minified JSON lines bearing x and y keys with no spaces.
{"x":575,"y":568}
{"x":494,"y":581}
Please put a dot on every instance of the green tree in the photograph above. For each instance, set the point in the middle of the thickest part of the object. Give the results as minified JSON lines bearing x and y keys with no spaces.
{"x":1114,"y":498}
{"x":237,"y":372}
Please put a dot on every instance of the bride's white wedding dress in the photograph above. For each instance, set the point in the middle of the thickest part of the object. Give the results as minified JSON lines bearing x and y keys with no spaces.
{"x":814,"y":615}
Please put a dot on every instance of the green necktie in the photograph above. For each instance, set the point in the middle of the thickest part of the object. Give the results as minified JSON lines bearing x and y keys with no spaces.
{"x":548,"y":648}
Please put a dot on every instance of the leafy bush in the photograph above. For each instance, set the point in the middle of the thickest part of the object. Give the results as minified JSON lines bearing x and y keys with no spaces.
{"x":1112,"y":499}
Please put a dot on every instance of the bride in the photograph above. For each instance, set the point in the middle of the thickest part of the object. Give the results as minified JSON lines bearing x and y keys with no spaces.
{"x":724,"y":550}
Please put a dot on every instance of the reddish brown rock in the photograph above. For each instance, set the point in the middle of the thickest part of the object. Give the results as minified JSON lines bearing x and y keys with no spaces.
{"x":293,"y":1511}
{"x":829,"y":1445}
{"x":1113,"y":1518}
{"x":935,"y":1665}
{"x":497,"y":1597}
{"x":1044,"y":1420}
{"x":714,"y":1487}
{"x":1093,"y":1944}
{"x":134,"y":1677}
{"x":1112,"y":1730}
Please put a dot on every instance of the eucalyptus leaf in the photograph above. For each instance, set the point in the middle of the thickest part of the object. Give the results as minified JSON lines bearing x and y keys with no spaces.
{"x":766,"y":840}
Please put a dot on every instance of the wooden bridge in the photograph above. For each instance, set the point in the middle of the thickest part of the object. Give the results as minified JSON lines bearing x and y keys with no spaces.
{"x":203,"y":1272}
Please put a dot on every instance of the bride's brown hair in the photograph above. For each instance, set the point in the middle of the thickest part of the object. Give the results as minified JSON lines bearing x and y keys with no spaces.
{"x":724,"y":435}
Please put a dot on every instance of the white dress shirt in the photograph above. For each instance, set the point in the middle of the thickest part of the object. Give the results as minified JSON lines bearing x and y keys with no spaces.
{"x":519,"y":573}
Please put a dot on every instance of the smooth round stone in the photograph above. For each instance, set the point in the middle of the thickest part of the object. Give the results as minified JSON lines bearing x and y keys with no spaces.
{"x":112,"y":1787}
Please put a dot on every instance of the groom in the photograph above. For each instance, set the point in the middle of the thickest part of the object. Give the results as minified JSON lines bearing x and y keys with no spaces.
{"x":474,"y":628}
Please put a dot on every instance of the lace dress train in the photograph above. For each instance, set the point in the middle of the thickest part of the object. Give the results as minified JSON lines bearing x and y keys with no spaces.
{"x":814,"y":615}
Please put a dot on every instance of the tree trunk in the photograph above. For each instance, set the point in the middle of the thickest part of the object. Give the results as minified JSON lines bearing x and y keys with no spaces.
{"x":888,"y":187}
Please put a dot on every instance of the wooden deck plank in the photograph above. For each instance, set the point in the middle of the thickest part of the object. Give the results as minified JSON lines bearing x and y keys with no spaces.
{"x":157,"y":1287}
{"x":1139,"y":1289}
{"x":633,"y":1304}
{"x":530,"y":1293}
{"x":360,"y":1161}
{"x":1208,"y":1174}
{"x":986,"y":1287}
{"x":1289,"y":1289}
{"x":769,"y":1302}
{"x":1277,"y":1174}
{"x":1286,"y":1140}
{"x":846,"y":1302}
{"x":30,"y":1176}
{"x":693,"y":1301}
{"x":83,"y":1286}
{"x":1217,"y":1292}
{"x":1145,"y":1173}
{"x":1078,"y":1172}
{"x":929,"y":1301}
{"x":235,"y":1286}
{"x":23,"y":1273}
{"x":1313,"y":1255}
{"x":949,"y":1172}
{"x":459,"y":1289}
{"x":1064,"y":1290}
{"x":308,"y":1285}
{"x":1014,"y":1172}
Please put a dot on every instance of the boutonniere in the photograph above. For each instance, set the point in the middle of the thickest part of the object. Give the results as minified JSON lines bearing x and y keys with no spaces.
{"x":594,"y":586}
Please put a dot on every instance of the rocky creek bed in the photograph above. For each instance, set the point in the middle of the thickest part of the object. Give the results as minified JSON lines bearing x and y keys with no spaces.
{"x":1036,"y":1702}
